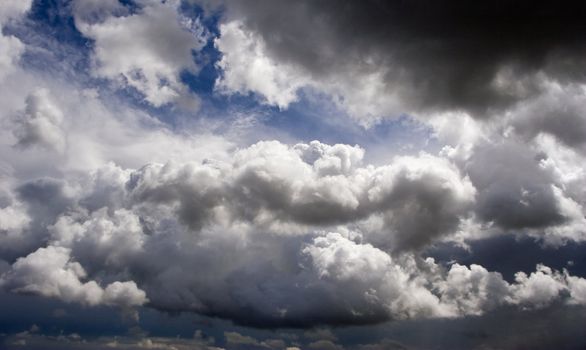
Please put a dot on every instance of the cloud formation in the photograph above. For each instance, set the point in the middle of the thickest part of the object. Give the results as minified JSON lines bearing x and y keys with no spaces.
{"x":50,"y":273}
{"x":477,"y":57}
{"x":11,"y":48}
{"x":146,"y":50}
{"x":104,"y":203}
{"x":314,"y":237}
{"x":40,"y":124}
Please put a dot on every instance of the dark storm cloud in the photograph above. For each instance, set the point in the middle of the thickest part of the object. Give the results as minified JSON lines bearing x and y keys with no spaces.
{"x":478,"y":56}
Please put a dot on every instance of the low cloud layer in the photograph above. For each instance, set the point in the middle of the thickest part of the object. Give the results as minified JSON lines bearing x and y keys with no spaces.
{"x":313,"y":235}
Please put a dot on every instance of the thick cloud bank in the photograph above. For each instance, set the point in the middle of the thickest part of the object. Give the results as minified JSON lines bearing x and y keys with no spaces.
{"x":267,"y":235}
{"x":391,"y":57}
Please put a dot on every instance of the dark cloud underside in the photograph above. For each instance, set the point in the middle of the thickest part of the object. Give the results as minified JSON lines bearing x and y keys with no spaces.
{"x":440,"y":54}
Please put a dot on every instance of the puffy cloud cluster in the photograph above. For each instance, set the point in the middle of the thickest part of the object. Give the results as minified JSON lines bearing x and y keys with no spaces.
{"x":313,"y":184}
{"x":473,"y":290}
{"x":49,"y":272}
{"x":146,"y":49}
{"x":294,"y":235}
{"x":528,"y":174}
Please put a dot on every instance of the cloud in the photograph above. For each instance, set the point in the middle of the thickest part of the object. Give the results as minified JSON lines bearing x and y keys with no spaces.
{"x":104,"y":204}
{"x":51,"y":273}
{"x":101,"y":241}
{"x":146,"y":50}
{"x":40,"y":124}
{"x":367,"y":278}
{"x":556,"y":112}
{"x":314,"y":236}
{"x":12,"y":9}
{"x":11,"y":48}
{"x":246,"y":68}
{"x":270,"y":182}
{"x":409,"y":58}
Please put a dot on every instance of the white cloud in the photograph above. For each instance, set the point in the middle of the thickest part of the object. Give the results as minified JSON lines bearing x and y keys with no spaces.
{"x":101,"y":240}
{"x":539,"y":288}
{"x":368,"y":279}
{"x":40,"y":123}
{"x":11,"y":48}
{"x":123,"y":294}
{"x":146,"y":50}
{"x":473,"y":290}
{"x":51,"y":273}
{"x":246,"y":68}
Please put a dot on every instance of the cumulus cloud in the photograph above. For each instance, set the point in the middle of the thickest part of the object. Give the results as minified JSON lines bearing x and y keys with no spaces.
{"x":314,"y":234}
{"x":296,"y":222}
{"x":314,"y":184}
{"x":51,"y":273}
{"x":146,"y":50}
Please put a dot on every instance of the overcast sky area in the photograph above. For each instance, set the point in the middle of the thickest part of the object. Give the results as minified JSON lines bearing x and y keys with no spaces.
{"x":285,"y":175}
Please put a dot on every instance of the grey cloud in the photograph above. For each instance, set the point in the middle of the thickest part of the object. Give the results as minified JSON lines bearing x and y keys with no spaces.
{"x":33,"y":206}
{"x":242,"y":239}
{"x":514,"y":191}
{"x":479,"y":57}
{"x":558,"y":112}
{"x":161,"y":221}
{"x":271,"y":182}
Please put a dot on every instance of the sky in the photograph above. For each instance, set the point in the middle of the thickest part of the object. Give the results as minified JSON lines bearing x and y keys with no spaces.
{"x":271,"y":174}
